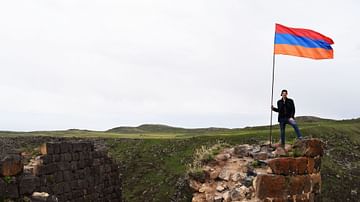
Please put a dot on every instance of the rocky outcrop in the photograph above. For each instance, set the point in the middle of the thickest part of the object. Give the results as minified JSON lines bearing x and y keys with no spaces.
{"x":11,"y":165}
{"x":262,"y":173}
{"x":65,"y":171}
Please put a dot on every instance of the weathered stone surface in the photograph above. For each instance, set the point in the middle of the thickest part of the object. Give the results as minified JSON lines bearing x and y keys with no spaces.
{"x":212,"y":173}
{"x":303,"y":198}
{"x":46,"y":149}
{"x":11,"y":190}
{"x":59,"y":177}
{"x":11,"y":165}
{"x":317,"y":165}
{"x":288,"y":166}
{"x":235,"y":194}
{"x":242,"y":150}
{"x":2,"y":187}
{"x":298,"y":166}
{"x":77,"y":147}
{"x":65,"y":147}
{"x":270,"y":186}
{"x":199,"y":197}
{"x":222,"y":157}
{"x":67,"y":187}
{"x":224,"y":174}
{"x":44,"y":159}
{"x":218,"y":199}
{"x":56,"y":146}
{"x":56,"y":157}
{"x":50,"y":168}
{"x":260,"y":155}
{"x":237,"y":176}
{"x":220,"y":188}
{"x":57,"y":188}
{"x":28,"y":184}
{"x":311,"y":166}
{"x":63,"y":166}
{"x":299,"y":184}
{"x":67,"y":175}
{"x":195,"y":185}
{"x":315,"y":197}
{"x":309,"y":147}
{"x":315,"y":183}
{"x":280,"y":166}
{"x":209,"y":196}
{"x":226,"y":196}
{"x":279,"y":151}
{"x":248,"y":181}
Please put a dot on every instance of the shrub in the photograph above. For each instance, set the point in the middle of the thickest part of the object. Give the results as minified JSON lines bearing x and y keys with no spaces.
{"x":7,"y":179}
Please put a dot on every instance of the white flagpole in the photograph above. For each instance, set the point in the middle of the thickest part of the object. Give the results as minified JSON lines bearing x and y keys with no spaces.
{"x":272,"y":98}
{"x":272,"y":92}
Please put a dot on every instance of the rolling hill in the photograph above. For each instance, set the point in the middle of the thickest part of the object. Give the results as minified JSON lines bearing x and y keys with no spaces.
{"x":154,"y":158}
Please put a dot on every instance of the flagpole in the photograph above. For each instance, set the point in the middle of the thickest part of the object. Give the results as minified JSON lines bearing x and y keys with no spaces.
{"x":272,"y":98}
{"x":272,"y":92}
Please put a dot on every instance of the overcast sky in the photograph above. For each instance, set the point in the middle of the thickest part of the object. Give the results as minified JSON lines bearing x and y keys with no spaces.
{"x":100,"y":64}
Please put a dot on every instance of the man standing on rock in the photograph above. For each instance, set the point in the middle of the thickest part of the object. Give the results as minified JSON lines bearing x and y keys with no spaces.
{"x":286,"y":110}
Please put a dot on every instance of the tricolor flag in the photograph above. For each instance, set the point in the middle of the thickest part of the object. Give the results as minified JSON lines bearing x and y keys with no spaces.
{"x":302,"y":42}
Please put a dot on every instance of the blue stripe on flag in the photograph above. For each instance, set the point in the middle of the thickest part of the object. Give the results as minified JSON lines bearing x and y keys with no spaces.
{"x":300,"y":41}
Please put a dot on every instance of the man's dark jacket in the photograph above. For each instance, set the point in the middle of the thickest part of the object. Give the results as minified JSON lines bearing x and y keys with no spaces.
{"x":286,"y":109}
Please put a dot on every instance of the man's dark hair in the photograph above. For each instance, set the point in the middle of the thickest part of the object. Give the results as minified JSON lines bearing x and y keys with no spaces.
{"x":283,"y":91}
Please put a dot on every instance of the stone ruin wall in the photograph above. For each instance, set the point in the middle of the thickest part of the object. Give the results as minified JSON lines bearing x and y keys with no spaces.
{"x":291,"y":179}
{"x":65,"y":171}
{"x":277,"y":176}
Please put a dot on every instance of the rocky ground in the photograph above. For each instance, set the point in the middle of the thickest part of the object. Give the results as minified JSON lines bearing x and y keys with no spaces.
{"x":254,"y":173}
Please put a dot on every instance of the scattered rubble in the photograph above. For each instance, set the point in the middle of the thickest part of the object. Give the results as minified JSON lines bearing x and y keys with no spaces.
{"x":262,"y":173}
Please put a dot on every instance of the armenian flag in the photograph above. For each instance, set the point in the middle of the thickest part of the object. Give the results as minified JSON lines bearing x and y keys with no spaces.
{"x":302,"y":43}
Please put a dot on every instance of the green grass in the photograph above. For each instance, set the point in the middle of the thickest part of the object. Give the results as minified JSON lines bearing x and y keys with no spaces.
{"x":154,"y":158}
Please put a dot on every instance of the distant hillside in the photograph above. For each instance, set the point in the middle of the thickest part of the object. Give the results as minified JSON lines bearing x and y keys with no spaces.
{"x":159,"y":128}
{"x":145,"y":128}
{"x":310,"y":119}
{"x":155,"y":131}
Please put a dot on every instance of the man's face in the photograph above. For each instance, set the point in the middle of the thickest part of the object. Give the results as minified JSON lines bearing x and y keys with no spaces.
{"x":284,"y":95}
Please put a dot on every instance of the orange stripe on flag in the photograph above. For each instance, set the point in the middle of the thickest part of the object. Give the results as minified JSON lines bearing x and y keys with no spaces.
{"x":314,"y":53}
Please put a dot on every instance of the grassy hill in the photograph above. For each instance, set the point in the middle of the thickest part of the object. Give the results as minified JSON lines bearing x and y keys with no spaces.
{"x":154,"y":158}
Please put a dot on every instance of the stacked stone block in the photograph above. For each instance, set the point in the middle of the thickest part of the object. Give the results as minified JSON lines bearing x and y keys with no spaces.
{"x":66,"y":171}
{"x":293,"y":178}
{"x":76,"y":172}
{"x":13,"y":182}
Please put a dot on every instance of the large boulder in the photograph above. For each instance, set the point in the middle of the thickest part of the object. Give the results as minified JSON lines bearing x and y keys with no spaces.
{"x":11,"y":165}
{"x":242,"y":150}
{"x":270,"y":186}
{"x":28,"y":184}
{"x":309,"y":147}
{"x":289,"y":166}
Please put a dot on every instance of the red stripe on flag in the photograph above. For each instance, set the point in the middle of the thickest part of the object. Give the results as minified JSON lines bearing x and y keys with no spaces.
{"x":303,"y":33}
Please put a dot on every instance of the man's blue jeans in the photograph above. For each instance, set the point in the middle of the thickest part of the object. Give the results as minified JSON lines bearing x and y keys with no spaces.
{"x":292,"y":122}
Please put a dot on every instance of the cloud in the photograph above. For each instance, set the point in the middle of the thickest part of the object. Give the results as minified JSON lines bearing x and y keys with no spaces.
{"x":96,"y":65}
